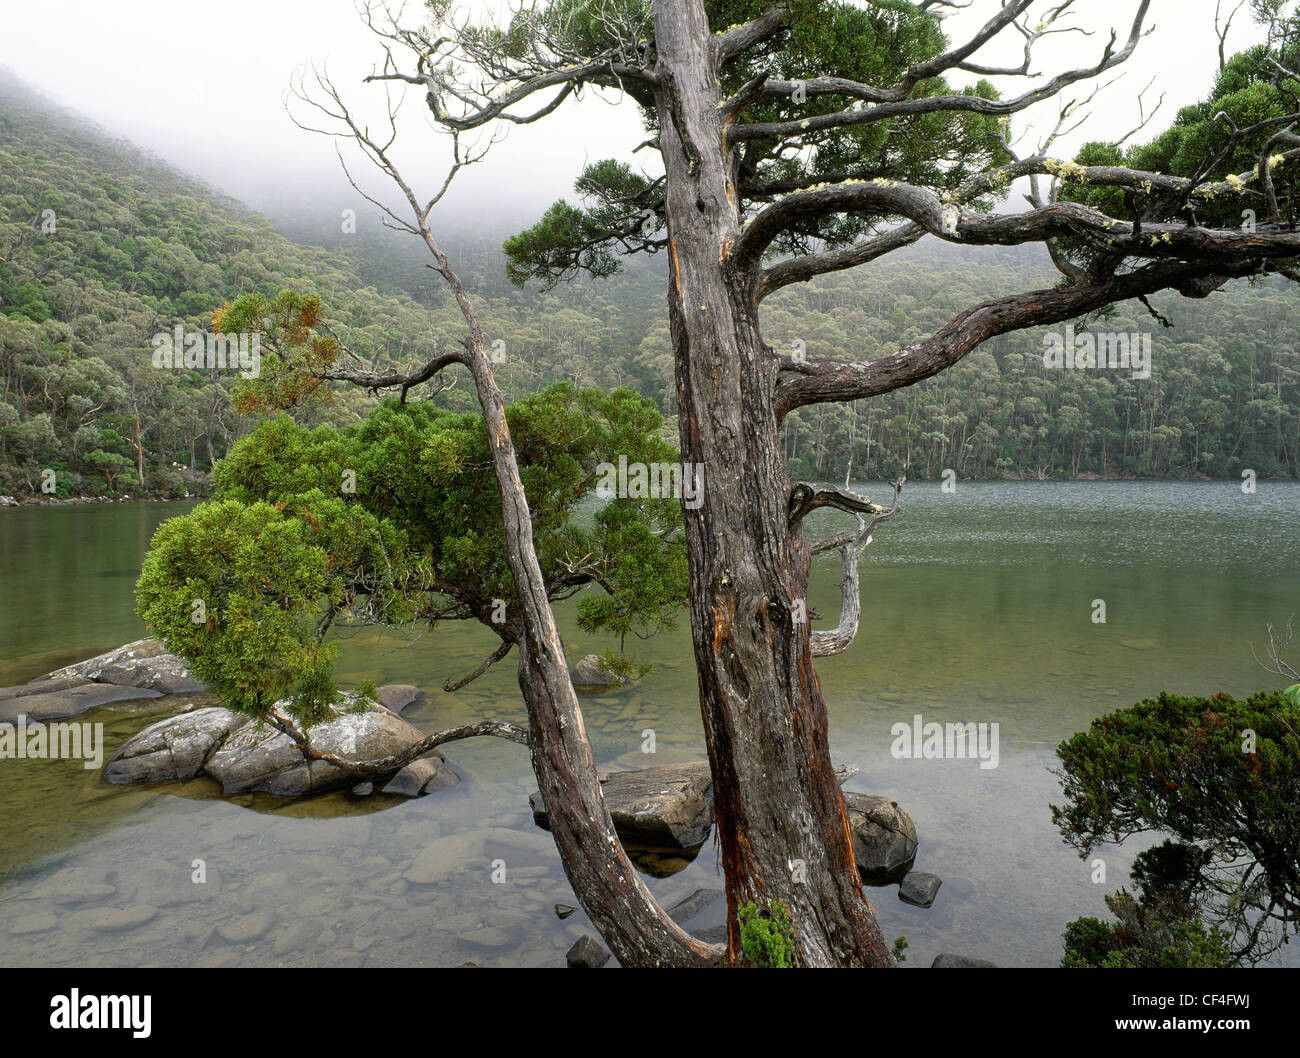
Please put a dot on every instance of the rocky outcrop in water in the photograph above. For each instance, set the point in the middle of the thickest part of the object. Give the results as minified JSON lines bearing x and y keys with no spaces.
{"x":884,"y":838}
{"x":143,"y":669}
{"x":51,"y":699}
{"x":671,"y":807}
{"x":145,"y":664}
{"x":245,"y":755}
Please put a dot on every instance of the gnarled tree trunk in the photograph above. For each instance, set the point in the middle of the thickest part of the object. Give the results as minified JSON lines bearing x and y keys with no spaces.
{"x":782,"y":827}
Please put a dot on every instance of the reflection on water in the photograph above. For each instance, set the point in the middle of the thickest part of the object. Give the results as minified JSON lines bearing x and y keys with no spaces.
{"x":977,"y":607}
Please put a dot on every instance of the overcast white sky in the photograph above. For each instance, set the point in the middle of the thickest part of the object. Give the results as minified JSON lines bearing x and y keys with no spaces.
{"x":201,"y":83}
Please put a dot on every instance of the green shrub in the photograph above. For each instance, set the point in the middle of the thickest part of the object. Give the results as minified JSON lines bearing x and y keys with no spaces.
{"x":1145,"y":936}
{"x":766,"y":935}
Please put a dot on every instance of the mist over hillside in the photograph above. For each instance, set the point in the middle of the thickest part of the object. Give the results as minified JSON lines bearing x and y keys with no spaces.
{"x":136,"y":246}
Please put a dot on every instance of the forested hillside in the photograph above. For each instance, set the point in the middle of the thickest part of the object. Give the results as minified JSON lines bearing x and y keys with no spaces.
{"x":102,"y":247}
{"x":1223,"y":392}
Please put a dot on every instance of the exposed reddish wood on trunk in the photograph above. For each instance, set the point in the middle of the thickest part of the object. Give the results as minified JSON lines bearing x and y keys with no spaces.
{"x":778,"y":806}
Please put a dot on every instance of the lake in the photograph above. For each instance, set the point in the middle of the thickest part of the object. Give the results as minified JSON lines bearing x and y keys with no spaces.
{"x":978,"y":606}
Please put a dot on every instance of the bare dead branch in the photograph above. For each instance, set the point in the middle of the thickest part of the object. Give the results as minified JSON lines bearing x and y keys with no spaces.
{"x":837,"y":640}
{"x":805,"y":498}
{"x":395,"y":761}
{"x":486,"y":664}
{"x":1275,"y":651}
{"x":894,"y":103}
{"x":394,"y":379}
{"x":1221,"y":29}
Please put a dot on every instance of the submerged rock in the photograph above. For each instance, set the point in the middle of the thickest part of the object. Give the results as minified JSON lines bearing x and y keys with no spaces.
{"x":492,"y":937}
{"x":475,"y":850}
{"x":246,"y":928}
{"x":114,"y":919}
{"x":245,"y":755}
{"x":670,"y":806}
{"x":946,"y":961}
{"x":590,"y":678}
{"x":659,"y":862}
{"x":703,"y":915}
{"x":75,"y":885}
{"x":299,"y":935}
{"x":445,"y":856}
{"x":422,"y":776}
{"x":586,"y":953}
{"x":37,"y":922}
{"x":919,"y":888}
{"x":711,"y":934}
{"x":696,"y":904}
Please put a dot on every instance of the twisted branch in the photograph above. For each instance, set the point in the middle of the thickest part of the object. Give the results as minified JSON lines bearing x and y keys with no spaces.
{"x":850,"y":545}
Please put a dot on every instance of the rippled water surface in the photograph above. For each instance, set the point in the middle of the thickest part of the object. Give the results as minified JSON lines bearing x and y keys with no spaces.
{"x":977,"y":607}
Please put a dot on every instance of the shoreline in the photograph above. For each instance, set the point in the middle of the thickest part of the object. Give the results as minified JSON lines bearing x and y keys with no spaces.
{"x":1200,"y":479}
{"x":81,"y":501}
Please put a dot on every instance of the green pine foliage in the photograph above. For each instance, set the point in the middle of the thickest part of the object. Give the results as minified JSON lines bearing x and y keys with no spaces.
{"x":1144,"y":938}
{"x":874,"y":44}
{"x":397,"y":520}
{"x":1247,"y":91}
{"x":1220,"y":777}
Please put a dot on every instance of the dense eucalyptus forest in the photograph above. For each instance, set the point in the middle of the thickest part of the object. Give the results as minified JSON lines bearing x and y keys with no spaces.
{"x":102,"y":246}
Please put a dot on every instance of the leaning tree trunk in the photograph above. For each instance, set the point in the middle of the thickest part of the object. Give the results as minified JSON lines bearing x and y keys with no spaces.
{"x":604,"y":880}
{"x":782,"y":829}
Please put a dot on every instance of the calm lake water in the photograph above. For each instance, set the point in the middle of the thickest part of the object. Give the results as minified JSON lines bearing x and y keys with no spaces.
{"x":978,"y":607}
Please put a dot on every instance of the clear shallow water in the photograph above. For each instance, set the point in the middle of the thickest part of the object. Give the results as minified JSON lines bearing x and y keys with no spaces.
{"x":977,"y":607}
